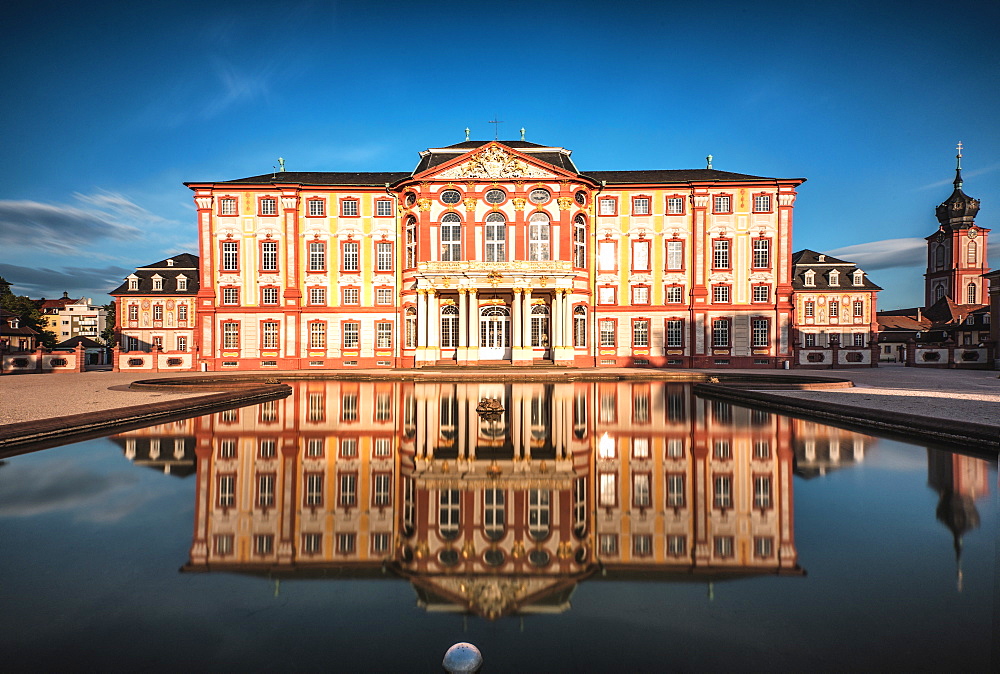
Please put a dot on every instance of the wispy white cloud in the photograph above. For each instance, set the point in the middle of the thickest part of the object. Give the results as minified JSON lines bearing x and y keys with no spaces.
{"x":966,"y":174}
{"x":885,"y":254}
{"x":48,"y":282}
{"x":236,"y":86}
{"x":32,"y":489}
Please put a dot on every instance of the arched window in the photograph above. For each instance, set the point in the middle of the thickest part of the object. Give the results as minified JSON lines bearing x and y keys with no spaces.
{"x":970,"y":294}
{"x":451,"y":238}
{"x":580,"y":241}
{"x":449,"y":326}
{"x":496,"y":238}
{"x":580,"y":326}
{"x":411,"y":242}
{"x":538,"y":237}
{"x":939,"y":257}
{"x":970,"y":252}
{"x":411,"y":327}
{"x":540,"y":325}
{"x":938,"y":292}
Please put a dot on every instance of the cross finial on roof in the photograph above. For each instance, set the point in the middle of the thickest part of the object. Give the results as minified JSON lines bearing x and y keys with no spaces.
{"x":496,"y":127}
{"x":958,"y":166}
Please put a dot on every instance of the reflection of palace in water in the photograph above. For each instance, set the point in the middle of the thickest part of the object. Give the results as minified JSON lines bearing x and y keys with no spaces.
{"x":491,"y":516}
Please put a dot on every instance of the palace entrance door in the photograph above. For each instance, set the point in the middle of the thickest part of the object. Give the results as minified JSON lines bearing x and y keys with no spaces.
{"x":494,"y":333}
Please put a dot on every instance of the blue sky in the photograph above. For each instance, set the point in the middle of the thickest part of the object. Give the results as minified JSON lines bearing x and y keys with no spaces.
{"x":109,"y":107}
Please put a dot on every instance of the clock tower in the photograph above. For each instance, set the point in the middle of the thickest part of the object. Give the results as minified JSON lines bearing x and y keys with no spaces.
{"x":956,"y":253}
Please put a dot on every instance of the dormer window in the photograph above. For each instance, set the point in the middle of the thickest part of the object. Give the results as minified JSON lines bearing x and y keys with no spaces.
{"x":835,"y":278}
{"x":157,"y":282}
{"x":15,"y":323}
{"x":133,"y":283}
{"x":809,"y":278}
{"x":170,"y":263}
{"x":182,"y":282}
{"x":859,"y":277}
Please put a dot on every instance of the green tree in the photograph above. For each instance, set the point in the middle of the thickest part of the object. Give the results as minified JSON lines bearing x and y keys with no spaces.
{"x":108,"y":336}
{"x":25,"y":308}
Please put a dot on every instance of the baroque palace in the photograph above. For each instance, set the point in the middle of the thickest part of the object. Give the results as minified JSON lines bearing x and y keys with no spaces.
{"x":494,"y":251}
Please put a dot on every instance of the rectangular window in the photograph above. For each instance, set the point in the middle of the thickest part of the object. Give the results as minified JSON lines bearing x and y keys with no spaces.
{"x":675,"y":333}
{"x":314,"y":447}
{"x":640,"y":295}
{"x":720,"y":294}
{"x":724,"y":546}
{"x":269,"y":295}
{"x":317,"y":335}
{"x":383,"y":208}
{"x":182,"y":312}
{"x":834,"y":309}
{"x":810,"y":309}
{"x":317,"y":256}
{"x":230,"y":256}
{"x":268,"y":206}
{"x":608,"y":206}
{"x":383,"y":335}
{"x":640,"y":447}
{"x":675,"y":490}
{"x":640,"y":256}
{"x":675,"y":255}
{"x":348,"y":496}
{"x":351,"y":295}
{"x":383,"y":296}
{"x":675,"y":294}
{"x":182,"y":343}
{"x":227,"y":491}
{"x":382,"y":448}
{"x":723,"y":491}
{"x":675,"y":205}
{"x":606,"y":256}
{"x":761,"y":492}
{"x":133,"y":312}
{"x":314,"y":489}
{"x":641,"y":490}
{"x":607,"y":333}
{"x":263,"y":544}
{"x":267,"y":448}
{"x":760,"y":331}
{"x":606,"y":295}
{"x":761,"y":293}
{"x":346,"y":543}
{"x":761,"y":449}
{"x":269,"y":256}
{"x":227,"y":206}
{"x":720,"y":333}
{"x":230,"y":295}
{"x":157,"y":312}
{"x":349,"y":208}
{"x":720,"y":254}
{"x":349,"y":446}
{"x":265,"y":490}
{"x":383,"y":255}
{"x":351,"y":256}
{"x":859,"y":339}
{"x":224,"y":545}
{"x":722,"y":450}
{"x":810,"y":339}
{"x":312,"y":544}
{"x":859,"y":308}
{"x":230,"y":335}
{"x":317,"y":296}
{"x":381,"y":489}
{"x":762,"y":253}
{"x":676,"y":545}
{"x":722,"y":203}
{"x":351,"y":335}
{"x":608,"y":544}
{"x":317,"y":207}
{"x":762,"y":203}
{"x":640,"y":206}
{"x":269,"y":335}
{"x":640,"y":333}
{"x":607,"y":490}
{"x":763,"y":547}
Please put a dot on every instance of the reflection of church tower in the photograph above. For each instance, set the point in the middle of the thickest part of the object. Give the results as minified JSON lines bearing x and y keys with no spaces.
{"x":959,"y":480}
{"x":956,"y":253}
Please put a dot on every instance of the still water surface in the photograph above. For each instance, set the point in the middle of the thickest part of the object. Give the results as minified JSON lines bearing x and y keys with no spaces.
{"x":590,"y":527}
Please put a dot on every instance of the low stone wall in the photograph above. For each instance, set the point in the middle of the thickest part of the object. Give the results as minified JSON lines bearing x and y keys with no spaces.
{"x":840,"y":357}
{"x":43,"y":362}
{"x":957,"y":357}
{"x":154,"y":361}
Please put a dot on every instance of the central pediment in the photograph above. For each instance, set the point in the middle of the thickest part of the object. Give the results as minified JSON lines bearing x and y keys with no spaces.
{"x":493,"y":162}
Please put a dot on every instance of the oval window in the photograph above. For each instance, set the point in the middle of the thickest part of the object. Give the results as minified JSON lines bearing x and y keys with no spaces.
{"x":581,"y":198}
{"x":411,"y":198}
{"x":539,"y":196}
{"x":538,"y":557}
{"x":493,"y":557}
{"x":495,"y":196}
{"x":451,"y":196}
{"x":448,"y":557}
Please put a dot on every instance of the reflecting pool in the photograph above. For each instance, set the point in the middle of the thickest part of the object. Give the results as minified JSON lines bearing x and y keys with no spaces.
{"x":626,"y":526}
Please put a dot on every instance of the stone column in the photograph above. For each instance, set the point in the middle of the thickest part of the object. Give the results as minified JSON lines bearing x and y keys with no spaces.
{"x":526,"y":323}
{"x":463,"y":324}
{"x":433,"y":326}
{"x":421,"y":325}
{"x":515,"y":326}
{"x":555,"y":320}
{"x":473,"y":325}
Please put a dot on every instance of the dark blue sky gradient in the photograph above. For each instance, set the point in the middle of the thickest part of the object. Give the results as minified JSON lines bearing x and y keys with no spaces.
{"x":120,"y":104}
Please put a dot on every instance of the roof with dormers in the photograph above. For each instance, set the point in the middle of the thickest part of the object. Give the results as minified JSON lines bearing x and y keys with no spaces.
{"x":821,"y":265}
{"x":184,"y":264}
{"x":555,"y":156}
{"x":21,"y":329}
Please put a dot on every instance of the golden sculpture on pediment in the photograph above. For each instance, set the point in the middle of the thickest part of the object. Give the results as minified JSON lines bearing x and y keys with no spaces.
{"x":494,"y":163}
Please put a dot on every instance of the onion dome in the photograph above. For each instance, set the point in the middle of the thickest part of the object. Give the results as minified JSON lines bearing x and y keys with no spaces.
{"x":959,"y":210}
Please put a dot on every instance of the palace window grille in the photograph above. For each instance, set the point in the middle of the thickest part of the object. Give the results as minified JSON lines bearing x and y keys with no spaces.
{"x":269,"y":335}
{"x":383,"y":255}
{"x":540,"y":325}
{"x":760,"y":329}
{"x":383,"y":335}
{"x":317,"y":335}
{"x":269,"y":256}
{"x":352,"y":335}
{"x":268,"y":206}
{"x":496,"y":238}
{"x":230,"y":256}
{"x":351,"y":256}
{"x":640,"y":333}
{"x":761,"y":253}
{"x":607,"y":330}
{"x":720,"y":333}
{"x":580,"y":326}
{"x":720,"y":254}
{"x":449,"y":326}
{"x":451,"y":238}
{"x":317,"y":256}
{"x":538,"y":237}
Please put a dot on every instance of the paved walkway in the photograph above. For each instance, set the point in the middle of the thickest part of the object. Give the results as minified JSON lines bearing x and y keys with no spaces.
{"x":972,"y":395}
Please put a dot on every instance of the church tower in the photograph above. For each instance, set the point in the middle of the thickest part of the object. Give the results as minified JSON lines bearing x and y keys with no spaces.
{"x":956,"y":253}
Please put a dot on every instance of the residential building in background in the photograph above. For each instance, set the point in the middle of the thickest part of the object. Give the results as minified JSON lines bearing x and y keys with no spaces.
{"x":67,"y":318}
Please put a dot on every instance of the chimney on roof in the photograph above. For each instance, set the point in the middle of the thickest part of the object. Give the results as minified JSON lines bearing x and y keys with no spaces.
{"x":919,"y":318}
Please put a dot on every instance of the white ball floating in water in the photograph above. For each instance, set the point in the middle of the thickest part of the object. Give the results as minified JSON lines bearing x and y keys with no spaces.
{"x":462,"y":657}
